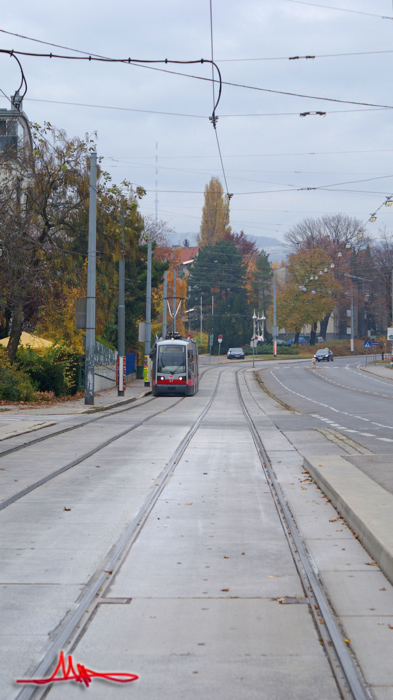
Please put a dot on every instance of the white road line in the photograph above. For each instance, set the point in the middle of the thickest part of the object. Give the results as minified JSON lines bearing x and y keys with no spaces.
{"x":324,"y":405}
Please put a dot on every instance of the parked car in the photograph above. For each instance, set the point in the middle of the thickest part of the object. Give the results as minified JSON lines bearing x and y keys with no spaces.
{"x":282,"y":343}
{"x":301,"y":341}
{"x":235,"y":354}
{"x":324,"y":354}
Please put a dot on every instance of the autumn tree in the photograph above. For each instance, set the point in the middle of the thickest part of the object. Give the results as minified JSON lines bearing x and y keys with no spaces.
{"x":310,"y":293}
{"x":43,"y":233}
{"x":215,"y":214}
{"x":42,"y":189}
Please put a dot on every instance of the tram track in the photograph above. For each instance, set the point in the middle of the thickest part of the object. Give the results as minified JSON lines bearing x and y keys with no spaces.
{"x":40,"y":482}
{"x":95,"y":588}
{"x":341,"y":660}
{"x":103,"y":415}
{"x":68,"y":634}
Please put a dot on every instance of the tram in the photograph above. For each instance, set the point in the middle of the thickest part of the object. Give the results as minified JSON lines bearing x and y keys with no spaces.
{"x":174,"y":366}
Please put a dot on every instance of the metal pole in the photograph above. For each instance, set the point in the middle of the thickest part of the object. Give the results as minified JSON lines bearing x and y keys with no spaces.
{"x":121,"y":314}
{"x":392,"y":297}
{"x":212,"y":324}
{"x":253,"y":339}
{"x":164,"y":303}
{"x":148,"y":310}
{"x":91,"y":284}
{"x":274,"y":317}
{"x":201,"y":324}
{"x":352,"y":323}
{"x":174,"y":302}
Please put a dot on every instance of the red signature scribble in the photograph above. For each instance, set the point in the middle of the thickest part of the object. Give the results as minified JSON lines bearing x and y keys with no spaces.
{"x":80,"y":675}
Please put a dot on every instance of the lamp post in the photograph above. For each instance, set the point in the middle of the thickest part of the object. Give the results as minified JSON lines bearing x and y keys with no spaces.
{"x":254,"y":318}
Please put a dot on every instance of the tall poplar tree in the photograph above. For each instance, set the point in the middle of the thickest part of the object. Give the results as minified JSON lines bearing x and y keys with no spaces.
{"x":215,"y":214}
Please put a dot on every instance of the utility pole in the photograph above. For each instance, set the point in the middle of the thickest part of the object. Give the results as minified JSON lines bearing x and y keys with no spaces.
{"x":121,"y":315}
{"x":148,"y":314}
{"x":201,"y":324}
{"x":174,"y":301}
{"x":91,"y":284}
{"x":164,"y":303}
{"x":274,"y":317}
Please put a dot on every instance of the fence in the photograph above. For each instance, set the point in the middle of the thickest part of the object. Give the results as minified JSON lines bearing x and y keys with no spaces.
{"x":105,"y":366}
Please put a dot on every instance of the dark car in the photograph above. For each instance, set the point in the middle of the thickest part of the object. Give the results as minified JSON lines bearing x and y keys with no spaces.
{"x":235,"y":354}
{"x":324,"y":354}
{"x":301,"y":341}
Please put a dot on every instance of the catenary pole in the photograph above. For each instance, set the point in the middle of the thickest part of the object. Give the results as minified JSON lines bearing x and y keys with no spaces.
{"x":164,"y":304}
{"x":174,"y":302}
{"x":121,"y":313}
{"x":148,"y":307}
{"x":91,"y":284}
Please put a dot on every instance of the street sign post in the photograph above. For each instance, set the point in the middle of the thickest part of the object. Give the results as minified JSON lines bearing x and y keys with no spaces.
{"x":219,"y":345}
{"x":367,"y":345}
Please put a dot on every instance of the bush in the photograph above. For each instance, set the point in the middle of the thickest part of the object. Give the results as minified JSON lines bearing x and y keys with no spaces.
{"x":267,"y":349}
{"x":14,"y":385}
{"x":56,"y":370}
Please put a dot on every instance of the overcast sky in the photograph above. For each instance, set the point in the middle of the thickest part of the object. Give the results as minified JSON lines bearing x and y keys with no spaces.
{"x":150,"y":120}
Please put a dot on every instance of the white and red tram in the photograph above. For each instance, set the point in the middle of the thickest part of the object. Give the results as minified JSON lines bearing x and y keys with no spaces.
{"x":174,"y":368}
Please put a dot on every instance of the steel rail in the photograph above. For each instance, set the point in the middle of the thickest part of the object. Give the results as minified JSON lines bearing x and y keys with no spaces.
{"x":306,"y":571}
{"x":9,"y":501}
{"x":100,"y":580}
{"x":12,"y":499}
{"x":70,"y":428}
{"x":88,"y":422}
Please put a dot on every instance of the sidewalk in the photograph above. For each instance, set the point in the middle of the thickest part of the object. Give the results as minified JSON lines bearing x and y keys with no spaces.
{"x":380,"y":370}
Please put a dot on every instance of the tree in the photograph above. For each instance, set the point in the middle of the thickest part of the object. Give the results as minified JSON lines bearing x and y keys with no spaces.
{"x":42,"y":189}
{"x":219,"y":272}
{"x":43,"y":238}
{"x":310,"y":293}
{"x":381,"y":271}
{"x":248,"y":249}
{"x":259,"y":282}
{"x":215,"y":214}
{"x":333,"y":233}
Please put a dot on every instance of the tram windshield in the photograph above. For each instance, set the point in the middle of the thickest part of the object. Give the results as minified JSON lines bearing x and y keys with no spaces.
{"x":171,"y":359}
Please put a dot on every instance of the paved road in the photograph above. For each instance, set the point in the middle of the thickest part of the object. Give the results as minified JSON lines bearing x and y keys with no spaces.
{"x":338,"y":396}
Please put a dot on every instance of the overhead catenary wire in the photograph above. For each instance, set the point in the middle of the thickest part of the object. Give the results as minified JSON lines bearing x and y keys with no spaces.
{"x":339,"y":9}
{"x":146,"y":63}
{"x":200,"y":116}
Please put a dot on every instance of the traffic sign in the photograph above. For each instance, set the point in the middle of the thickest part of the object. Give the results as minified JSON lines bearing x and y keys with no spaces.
{"x":220,"y":338}
{"x":367,"y":344}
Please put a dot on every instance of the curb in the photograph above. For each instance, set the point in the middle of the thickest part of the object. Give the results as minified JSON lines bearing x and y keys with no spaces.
{"x":366,"y":506}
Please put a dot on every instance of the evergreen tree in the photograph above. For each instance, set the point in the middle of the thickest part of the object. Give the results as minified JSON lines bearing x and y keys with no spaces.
{"x":219,"y":273}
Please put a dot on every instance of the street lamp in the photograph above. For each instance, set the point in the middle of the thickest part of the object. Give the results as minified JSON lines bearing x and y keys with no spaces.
{"x":254,"y":318}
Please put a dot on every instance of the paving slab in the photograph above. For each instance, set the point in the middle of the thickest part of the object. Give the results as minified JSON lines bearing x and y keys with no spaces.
{"x":216,"y":649}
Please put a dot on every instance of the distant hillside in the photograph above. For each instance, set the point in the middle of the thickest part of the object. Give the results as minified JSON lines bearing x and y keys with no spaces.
{"x":261,"y":241}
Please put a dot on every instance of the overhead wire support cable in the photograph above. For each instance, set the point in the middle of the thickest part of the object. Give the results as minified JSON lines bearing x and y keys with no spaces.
{"x":129,"y":61}
{"x":143,"y":63}
{"x":339,"y":9}
{"x":214,"y":118}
